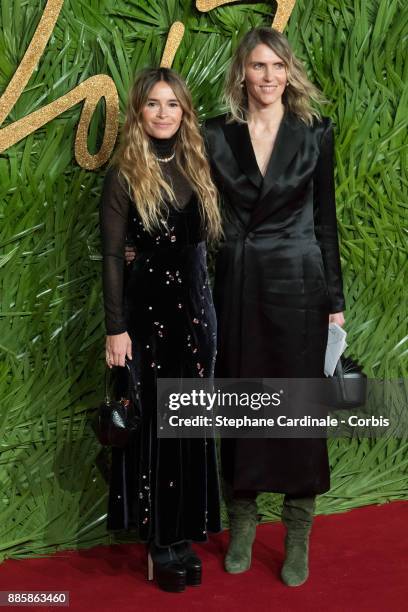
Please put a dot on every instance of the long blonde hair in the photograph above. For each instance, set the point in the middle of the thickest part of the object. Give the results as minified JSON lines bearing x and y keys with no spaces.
{"x":299,"y":94}
{"x":136,"y":161}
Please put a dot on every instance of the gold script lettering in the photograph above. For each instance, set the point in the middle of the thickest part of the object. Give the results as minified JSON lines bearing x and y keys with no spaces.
{"x":283,"y":11}
{"x":91,"y":91}
{"x":173,"y":41}
{"x":176,"y":33}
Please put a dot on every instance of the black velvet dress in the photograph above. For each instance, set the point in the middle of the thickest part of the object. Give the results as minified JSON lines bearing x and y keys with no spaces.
{"x":166,"y":489}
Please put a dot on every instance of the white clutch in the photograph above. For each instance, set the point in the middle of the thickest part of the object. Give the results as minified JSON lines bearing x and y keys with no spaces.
{"x":336,"y":345}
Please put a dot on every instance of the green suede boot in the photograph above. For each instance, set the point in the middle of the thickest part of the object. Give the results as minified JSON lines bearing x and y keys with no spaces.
{"x":243,"y":519}
{"x":297,"y":516}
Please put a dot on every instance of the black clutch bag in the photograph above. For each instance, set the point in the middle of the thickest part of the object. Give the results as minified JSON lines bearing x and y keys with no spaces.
{"x":117,"y":419}
{"x":349,"y":385}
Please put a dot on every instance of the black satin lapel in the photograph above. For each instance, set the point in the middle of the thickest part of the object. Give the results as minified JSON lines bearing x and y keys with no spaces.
{"x":238,"y":138}
{"x":288,"y":140}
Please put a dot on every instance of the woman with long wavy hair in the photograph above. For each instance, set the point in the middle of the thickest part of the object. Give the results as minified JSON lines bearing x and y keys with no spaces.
{"x":278,"y":279}
{"x":159,"y":194}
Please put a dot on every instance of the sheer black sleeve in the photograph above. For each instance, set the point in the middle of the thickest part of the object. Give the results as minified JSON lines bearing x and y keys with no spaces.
{"x":325,"y":218}
{"x":113,"y":216}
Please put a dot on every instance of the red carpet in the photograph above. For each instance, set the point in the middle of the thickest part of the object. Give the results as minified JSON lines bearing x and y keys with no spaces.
{"x":358,"y":563}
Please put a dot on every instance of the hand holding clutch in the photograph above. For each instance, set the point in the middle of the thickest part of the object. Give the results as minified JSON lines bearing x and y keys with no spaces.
{"x":118,"y":348}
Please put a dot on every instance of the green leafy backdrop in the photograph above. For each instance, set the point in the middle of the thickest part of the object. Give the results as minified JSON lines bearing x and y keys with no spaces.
{"x":52,"y":471}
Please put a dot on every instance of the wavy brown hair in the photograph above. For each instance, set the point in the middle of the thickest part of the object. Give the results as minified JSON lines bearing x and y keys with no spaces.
{"x":299,"y":95}
{"x":136,"y":160}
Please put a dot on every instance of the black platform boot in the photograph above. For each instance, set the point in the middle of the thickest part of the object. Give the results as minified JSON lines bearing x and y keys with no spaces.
{"x":164,"y":566}
{"x":191,"y":562}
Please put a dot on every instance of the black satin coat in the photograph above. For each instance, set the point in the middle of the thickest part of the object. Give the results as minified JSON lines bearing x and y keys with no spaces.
{"x":277,"y":279}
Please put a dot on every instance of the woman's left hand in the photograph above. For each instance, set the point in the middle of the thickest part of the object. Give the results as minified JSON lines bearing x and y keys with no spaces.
{"x":130,"y":254}
{"x":338,"y":318}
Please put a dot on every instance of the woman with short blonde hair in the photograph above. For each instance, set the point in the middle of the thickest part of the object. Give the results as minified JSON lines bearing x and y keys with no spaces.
{"x":278,"y":279}
{"x":300,"y":96}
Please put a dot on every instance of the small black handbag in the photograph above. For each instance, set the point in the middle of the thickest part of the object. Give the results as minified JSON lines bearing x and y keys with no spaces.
{"x":349,"y":385}
{"x":117,"y":419}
